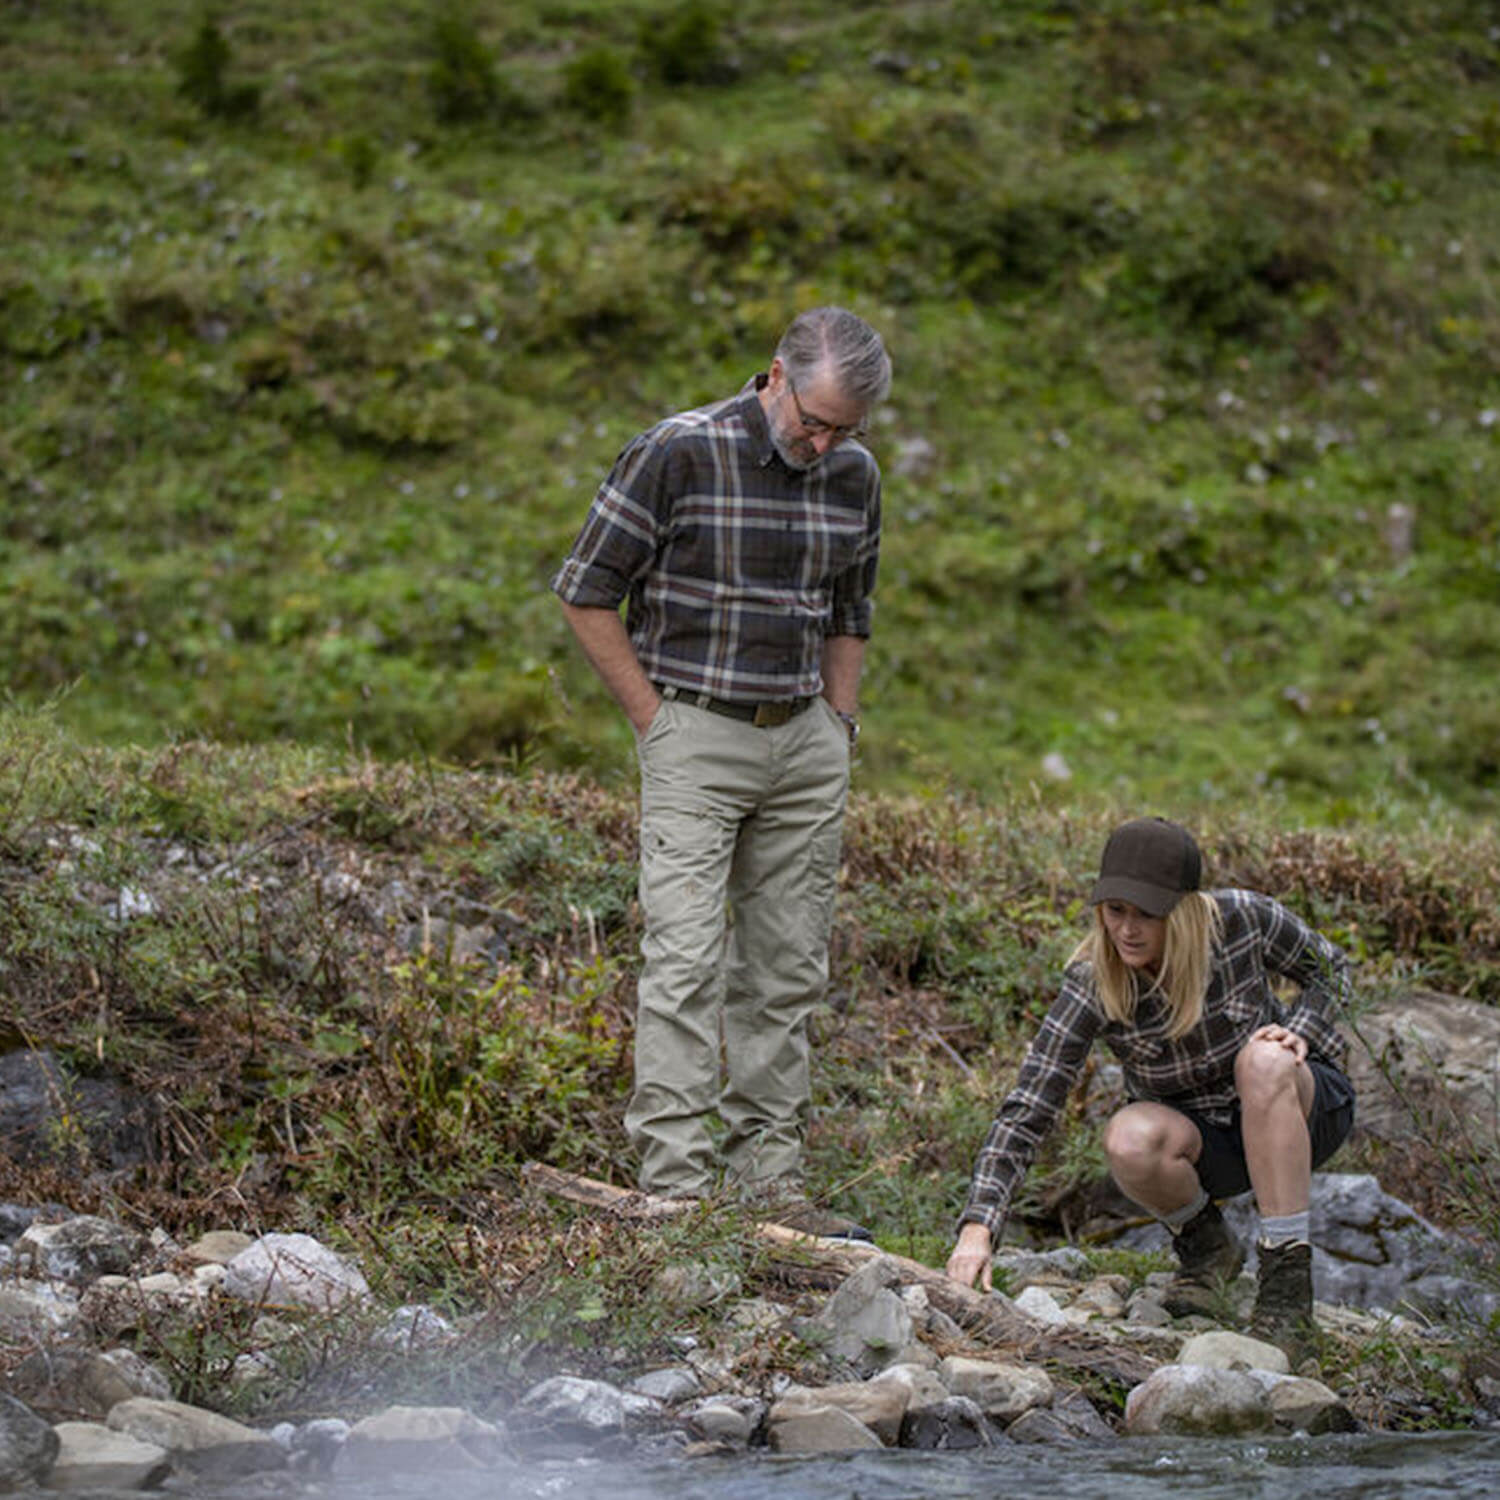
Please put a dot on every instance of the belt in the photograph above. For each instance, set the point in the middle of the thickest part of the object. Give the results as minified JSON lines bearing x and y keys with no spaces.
{"x":762,"y":715}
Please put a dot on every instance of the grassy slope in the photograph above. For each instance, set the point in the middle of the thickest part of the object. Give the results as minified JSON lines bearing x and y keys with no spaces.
{"x":298,"y":415}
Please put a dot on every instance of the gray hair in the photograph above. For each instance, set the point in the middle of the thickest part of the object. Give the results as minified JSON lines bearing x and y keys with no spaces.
{"x":836,"y":340}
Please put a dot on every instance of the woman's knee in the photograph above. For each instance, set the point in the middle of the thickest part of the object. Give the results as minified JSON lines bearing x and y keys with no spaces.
{"x":1263,"y":1070}
{"x":1137,"y":1140}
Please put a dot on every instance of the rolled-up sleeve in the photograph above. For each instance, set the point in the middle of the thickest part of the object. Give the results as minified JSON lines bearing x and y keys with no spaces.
{"x":1048,"y":1071}
{"x":621,"y":533}
{"x":1321,"y":971}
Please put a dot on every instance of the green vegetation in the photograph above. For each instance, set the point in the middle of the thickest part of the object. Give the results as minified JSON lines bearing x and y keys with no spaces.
{"x":317,"y":329}
{"x":364,"y":994}
{"x":1189,"y":457}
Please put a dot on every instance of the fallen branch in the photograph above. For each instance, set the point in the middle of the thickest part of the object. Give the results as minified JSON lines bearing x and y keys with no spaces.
{"x":986,"y":1317}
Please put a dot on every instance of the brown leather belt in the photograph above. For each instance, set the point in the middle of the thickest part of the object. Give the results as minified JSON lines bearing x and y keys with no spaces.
{"x":762,"y":715}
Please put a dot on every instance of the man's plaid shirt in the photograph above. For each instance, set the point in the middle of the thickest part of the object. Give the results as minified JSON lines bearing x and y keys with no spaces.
{"x":734,"y":566}
{"x":1262,"y":940}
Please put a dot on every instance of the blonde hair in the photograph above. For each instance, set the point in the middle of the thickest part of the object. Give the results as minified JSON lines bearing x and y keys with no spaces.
{"x":1194,"y":927}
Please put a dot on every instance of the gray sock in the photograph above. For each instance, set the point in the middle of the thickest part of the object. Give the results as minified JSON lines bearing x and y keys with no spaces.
{"x":1179,"y":1217}
{"x":1284,"y":1229}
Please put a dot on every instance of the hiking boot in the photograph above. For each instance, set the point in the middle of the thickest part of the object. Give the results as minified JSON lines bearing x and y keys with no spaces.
{"x":1283,"y":1300}
{"x":807,"y":1218}
{"x":1208,"y":1259}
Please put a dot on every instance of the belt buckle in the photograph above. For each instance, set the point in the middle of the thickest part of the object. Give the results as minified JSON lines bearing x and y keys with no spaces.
{"x":769,"y":715}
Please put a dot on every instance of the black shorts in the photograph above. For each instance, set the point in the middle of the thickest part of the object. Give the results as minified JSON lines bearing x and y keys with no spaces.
{"x":1221,"y":1163}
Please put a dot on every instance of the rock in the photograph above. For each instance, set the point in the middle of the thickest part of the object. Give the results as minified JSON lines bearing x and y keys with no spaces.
{"x":1303,"y":1405}
{"x":80,"y":1249}
{"x":1191,"y":1400}
{"x":201,"y":1441}
{"x":91,"y":1456}
{"x":948,"y":1425}
{"x":1223,"y":1350}
{"x":693,"y":1285}
{"x":28,"y":1446}
{"x":419,"y":1439}
{"x":1037,"y":1302}
{"x":1373,"y":1250}
{"x":1429,"y":1063}
{"x":866,"y":1323}
{"x":725,"y":1419}
{"x":294,"y":1269}
{"x":1069,"y":1420}
{"x":62,"y":1384}
{"x":217,"y":1247}
{"x":819,"y":1429}
{"x":48,"y":1114}
{"x":412,"y":1326}
{"x":877,"y":1404}
{"x":672,"y":1384}
{"x":34,"y":1310}
{"x":316,"y":1445}
{"x":570,"y":1410}
{"x":1002,"y":1391}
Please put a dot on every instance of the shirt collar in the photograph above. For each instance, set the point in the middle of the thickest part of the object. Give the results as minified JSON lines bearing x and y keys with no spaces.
{"x":754,"y":414}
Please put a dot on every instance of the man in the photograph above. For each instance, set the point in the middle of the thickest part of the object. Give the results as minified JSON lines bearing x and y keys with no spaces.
{"x":743,"y":539}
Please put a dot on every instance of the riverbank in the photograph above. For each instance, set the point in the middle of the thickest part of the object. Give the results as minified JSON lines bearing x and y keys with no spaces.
{"x":827,"y":1348}
{"x":285,"y":991}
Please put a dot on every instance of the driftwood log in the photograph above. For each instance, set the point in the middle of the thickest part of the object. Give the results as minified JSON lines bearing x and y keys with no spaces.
{"x":989,"y":1320}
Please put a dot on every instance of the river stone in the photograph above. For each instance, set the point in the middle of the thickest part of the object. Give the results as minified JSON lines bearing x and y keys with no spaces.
{"x":28,"y":1445}
{"x":693,"y":1285}
{"x":1103,"y":1297}
{"x":414,"y":1326}
{"x":1190,"y":1400}
{"x":80,"y":1249}
{"x":316,"y":1444}
{"x":949,"y":1425}
{"x":725,"y":1419}
{"x":1037,"y":1302}
{"x":876,"y":1404}
{"x":819,"y":1429}
{"x":294,"y":1269}
{"x":91,"y":1456}
{"x":218,"y":1247}
{"x":78,"y":1384}
{"x":1002,"y":1391}
{"x":572,"y":1410}
{"x":34,"y":1310}
{"x":672,"y":1384}
{"x":866,"y":1323}
{"x":1304,"y":1405}
{"x":203,"y":1441}
{"x":1220,"y":1349}
{"x":415,"y":1439}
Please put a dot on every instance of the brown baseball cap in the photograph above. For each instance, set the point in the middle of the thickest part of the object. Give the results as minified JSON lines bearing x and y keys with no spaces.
{"x":1150,"y":863}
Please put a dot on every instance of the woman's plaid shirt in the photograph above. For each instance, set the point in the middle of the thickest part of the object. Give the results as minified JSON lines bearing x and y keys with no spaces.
{"x":1262,"y":941}
{"x":734,"y":566}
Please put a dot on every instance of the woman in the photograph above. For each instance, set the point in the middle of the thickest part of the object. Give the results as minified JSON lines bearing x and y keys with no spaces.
{"x":1229,"y":1089}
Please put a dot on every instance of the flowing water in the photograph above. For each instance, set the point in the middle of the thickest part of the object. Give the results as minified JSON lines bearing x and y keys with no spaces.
{"x":1426,"y":1466}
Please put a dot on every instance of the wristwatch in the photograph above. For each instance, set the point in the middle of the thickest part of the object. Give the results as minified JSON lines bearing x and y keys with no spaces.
{"x":851,"y":723}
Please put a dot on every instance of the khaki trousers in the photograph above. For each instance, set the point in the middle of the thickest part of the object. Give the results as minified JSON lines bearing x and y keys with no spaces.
{"x":741,"y":830}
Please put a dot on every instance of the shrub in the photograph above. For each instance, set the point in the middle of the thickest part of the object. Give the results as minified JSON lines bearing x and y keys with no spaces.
{"x":461,"y":81}
{"x":202,"y":69}
{"x":685,"y":46}
{"x":597,"y":85}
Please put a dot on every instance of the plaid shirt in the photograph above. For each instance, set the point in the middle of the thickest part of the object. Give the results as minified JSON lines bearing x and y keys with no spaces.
{"x":734,"y":566}
{"x":1261,"y":938}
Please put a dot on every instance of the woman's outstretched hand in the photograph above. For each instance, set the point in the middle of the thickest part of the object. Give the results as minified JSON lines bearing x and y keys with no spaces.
{"x":971,"y":1260}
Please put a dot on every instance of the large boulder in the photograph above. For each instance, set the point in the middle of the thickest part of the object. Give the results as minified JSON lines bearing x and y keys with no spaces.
{"x":1429,"y":1063}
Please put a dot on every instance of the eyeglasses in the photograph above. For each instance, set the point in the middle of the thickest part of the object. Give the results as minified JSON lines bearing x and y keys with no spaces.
{"x":816,"y":425}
